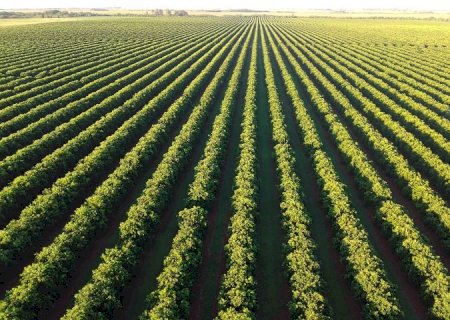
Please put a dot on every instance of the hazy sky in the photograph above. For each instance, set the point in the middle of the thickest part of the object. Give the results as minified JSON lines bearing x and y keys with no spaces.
{"x":232,"y":4}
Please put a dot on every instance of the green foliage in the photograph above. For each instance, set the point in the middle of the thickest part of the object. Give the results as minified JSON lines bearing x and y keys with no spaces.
{"x":80,"y":121}
{"x":237,"y":299}
{"x":365,"y":269}
{"x":308,"y":299}
{"x":52,"y":203}
{"x":416,"y":253}
{"x":131,"y":100}
{"x":144,"y":214}
{"x":93,"y":214}
{"x":172,"y":298}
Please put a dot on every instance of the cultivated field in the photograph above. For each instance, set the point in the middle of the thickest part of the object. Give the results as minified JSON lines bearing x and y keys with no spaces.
{"x":229,"y":167}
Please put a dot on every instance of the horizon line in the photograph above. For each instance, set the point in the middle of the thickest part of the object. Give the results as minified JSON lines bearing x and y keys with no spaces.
{"x":241,"y":9}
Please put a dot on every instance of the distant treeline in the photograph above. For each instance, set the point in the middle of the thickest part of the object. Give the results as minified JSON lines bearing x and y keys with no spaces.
{"x":45,"y":14}
{"x":236,"y":10}
{"x":104,"y":12}
{"x":160,"y":12}
{"x":376,"y":17}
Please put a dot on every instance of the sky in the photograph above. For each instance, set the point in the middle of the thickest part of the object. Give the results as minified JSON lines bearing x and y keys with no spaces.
{"x":232,"y":4}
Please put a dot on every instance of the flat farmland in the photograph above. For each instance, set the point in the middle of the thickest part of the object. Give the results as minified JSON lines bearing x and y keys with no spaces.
{"x":238,"y":167}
